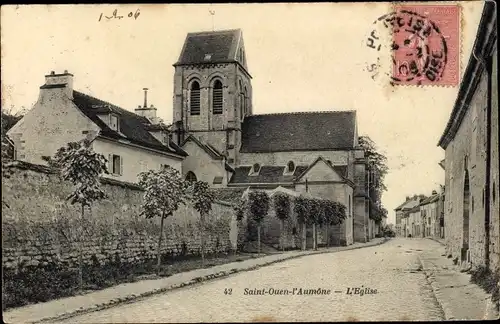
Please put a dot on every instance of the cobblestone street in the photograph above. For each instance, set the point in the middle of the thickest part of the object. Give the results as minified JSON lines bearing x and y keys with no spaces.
{"x":393,"y":269}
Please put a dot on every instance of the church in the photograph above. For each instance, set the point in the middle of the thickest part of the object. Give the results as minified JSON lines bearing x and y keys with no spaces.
{"x":214,"y":136}
{"x":229,"y":146}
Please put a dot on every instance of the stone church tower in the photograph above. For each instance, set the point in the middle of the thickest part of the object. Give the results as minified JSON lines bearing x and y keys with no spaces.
{"x":212,"y":91}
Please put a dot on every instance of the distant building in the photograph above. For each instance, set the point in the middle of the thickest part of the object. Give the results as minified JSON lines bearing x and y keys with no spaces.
{"x":471,"y":144}
{"x":430,"y":211}
{"x":406,"y":212}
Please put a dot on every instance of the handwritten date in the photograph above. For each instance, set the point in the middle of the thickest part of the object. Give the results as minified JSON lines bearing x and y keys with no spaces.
{"x":115,"y":15}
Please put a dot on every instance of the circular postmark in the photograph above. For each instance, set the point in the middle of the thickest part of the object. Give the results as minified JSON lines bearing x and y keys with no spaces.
{"x":418,"y":51}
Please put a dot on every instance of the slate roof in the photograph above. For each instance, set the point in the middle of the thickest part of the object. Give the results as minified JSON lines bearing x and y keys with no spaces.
{"x":308,"y":131}
{"x":220,"y":44}
{"x":132,"y":127}
{"x":267,"y":174}
{"x":429,"y":200}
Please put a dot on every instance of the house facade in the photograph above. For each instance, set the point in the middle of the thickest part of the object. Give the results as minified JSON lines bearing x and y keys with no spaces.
{"x":132,"y":142}
{"x":429,"y":208}
{"x":407,"y":213}
{"x":470,"y":141}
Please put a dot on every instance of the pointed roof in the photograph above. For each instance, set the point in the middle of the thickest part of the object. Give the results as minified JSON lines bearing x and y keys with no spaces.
{"x":220,"y":45}
{"x":132,"y":126}
{"x":341,"y":170}
{"x":305,"y":131}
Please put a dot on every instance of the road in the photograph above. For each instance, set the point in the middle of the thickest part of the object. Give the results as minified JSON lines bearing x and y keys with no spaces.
{"x":390,"y":276}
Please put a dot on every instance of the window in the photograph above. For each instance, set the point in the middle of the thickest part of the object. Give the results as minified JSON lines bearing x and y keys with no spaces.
{"x":116,"y":164}
{"x":290,"y":167}
{"x":242,"y":102}
{"x":208,"y":57}
{"x":256,"y":168}
{"x":217,"y":98}
{"x":245,"y":100}
{"x":349,"y":206}
{"x":195,"y":98}
{"x":114,"y":122}
{"x":163,"y":166}
{"x":191,"y":177}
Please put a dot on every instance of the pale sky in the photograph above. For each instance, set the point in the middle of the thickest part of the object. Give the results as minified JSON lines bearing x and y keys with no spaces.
{"x":302,"y":57}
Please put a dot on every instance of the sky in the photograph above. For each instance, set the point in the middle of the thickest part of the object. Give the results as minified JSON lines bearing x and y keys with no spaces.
{"x":302,"y":57}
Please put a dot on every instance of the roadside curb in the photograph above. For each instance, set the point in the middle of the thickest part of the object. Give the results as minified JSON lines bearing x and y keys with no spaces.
{"x":435,"y":240}
{"x":133,"y":297}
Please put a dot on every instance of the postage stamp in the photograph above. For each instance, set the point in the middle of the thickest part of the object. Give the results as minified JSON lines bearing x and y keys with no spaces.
{"x":424,"y":44}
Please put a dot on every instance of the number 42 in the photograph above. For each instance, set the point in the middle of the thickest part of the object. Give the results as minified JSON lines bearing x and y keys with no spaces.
{"x":228,"y":291}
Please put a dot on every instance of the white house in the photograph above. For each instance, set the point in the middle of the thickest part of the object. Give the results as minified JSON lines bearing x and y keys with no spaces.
{"x":132,"y":142}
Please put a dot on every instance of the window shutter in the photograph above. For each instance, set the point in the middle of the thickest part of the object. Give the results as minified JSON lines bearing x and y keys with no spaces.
{"x":121,"y":165}
{"x":195,"y":98}
{"x":110,"y":163}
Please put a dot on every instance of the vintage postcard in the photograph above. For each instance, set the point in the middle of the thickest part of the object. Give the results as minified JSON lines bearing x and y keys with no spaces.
{"x":258,"y":162}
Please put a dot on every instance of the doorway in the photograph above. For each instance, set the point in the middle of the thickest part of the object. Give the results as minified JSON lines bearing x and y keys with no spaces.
{"x":465,"y":234}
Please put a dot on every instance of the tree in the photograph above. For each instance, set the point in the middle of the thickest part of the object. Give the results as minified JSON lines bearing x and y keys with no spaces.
{"x":203,"y":198}
{"x":282,"y":210}
{"x":377,"y":170}
{"x":259,"y":206}
{"x":314,"y":211}
{"x":301,"y":209}
{"x":80,"y":165}
{"x":9,"y":119}
{"x":164,"y":192}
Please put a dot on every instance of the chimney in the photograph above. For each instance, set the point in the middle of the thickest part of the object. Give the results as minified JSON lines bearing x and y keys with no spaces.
{"x":149,"y":113}
{"x":407,"y":198}
{"x":145,"y":97}
{"x":434,"y":192}
{"x":59,"y":81}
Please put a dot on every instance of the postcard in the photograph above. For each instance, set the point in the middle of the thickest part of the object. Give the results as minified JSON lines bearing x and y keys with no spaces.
{"x":253,"y":162}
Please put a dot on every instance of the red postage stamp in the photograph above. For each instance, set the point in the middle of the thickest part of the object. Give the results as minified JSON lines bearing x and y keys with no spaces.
{"x":425,"y":44}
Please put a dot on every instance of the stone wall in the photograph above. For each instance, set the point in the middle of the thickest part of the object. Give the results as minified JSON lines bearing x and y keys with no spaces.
{"x":466,"y":158}
{"x":39,"y":226}
{"x":495,"y":171}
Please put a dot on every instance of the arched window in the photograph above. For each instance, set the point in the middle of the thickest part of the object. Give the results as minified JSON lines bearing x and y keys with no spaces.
{"x":290,"y":167}
{"x":217,"y":98}
{"x":256,"y":168}
{"x":191,"y":177}
{"x":195,"y":98}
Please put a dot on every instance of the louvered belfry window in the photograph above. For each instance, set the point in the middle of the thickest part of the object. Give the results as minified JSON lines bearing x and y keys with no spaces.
{"x":217,"y":98}
{"x":195,"y":98}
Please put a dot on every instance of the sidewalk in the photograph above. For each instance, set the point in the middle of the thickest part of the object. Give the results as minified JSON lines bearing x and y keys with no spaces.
{"x":459,"y":298}
{"x":67,"y":307}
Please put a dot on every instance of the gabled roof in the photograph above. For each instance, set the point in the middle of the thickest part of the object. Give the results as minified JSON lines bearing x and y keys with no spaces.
{"x":411,"y":204}
{"x":341,"y":170}
{"x":307,"y":131}
{"x":209,"y":149}
{"x":132,"y":127}
{"x":429,"y":200}
{"x":220,"y":45}
{"x":267,"y":174}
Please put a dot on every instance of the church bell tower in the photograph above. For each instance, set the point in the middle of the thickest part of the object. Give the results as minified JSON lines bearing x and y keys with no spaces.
{"x":212,"y":91}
